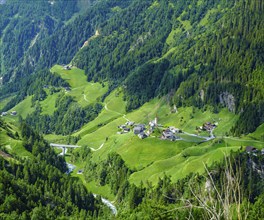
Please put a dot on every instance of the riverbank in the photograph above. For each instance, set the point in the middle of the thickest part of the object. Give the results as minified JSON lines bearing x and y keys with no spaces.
{"x":105,"y":201}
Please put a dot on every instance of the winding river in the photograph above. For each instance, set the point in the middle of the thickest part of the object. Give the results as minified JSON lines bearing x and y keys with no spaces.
{"x":110,"y":205}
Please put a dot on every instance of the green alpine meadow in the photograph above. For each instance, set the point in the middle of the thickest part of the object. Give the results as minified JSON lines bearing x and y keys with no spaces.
{"x":131,"y":109}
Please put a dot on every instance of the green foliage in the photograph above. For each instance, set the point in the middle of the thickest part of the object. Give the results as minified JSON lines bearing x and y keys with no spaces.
{"x":61,"y":46}
{"x":129,"y":39}
{"x":213,"y":52}
{"x":256,"y":211}
{"x":205,"y":54}
{"x":144,"y":83}
{"x":38,"y":190}
{"x":34,"y":143}
{"x":197,"y":53}
{"x":34,"y":85}
{"x":251,"y":117}
{"x":112,"y":171}
{"x":168,"y":200}
{"x":25,"y":24}
{"x":67,"y":118}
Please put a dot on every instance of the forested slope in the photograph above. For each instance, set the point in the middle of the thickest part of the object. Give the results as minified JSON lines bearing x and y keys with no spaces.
{"x":47,"y":36}
{"x":198,"y":53}
{"x":24,"y":24}
{"x":37,"y":187}
{"x":231,"y":189}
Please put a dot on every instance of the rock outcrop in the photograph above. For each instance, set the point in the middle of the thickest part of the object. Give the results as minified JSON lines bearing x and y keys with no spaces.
{"x":228,"y":100}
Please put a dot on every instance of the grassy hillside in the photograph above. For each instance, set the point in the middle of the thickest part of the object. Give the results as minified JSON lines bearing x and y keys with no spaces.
{"x":48,"y":105}
{"x":10,"y":142}
{"x":194,"y":67}
{"x":23,"y":109}
{"x":152,"y":157}
{"x":149,"y":158}
{"x":194,"y":51}
{"x":84,"y":92}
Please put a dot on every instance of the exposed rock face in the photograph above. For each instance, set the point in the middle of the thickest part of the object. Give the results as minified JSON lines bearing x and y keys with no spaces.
{"x":228,"y":100}
{"x":202,"y":94}
{"x":140,"y":41}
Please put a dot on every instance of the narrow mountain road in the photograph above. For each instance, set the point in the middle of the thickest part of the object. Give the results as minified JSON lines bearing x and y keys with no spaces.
{"x":211,"y":137}
{"x":107,"y":109}
{"x":85,"y":98}
{"x":97,"y":148}
{"x":124,"y":116}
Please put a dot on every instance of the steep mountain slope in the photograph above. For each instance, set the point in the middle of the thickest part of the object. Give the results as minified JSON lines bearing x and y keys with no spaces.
{"x":202,"y":53}
{"x":20,"y":30}
{"x":199,"y":53}
{"x":60,"y":47}
{"x":65,"y":36}
{"x":33,"y":183}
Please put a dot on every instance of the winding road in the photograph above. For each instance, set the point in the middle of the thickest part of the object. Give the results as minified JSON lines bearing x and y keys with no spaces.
{"x":97,"y":148}
{"x":107,"y":109}
{"x":202,"y":137}
{"x":85,"y":98}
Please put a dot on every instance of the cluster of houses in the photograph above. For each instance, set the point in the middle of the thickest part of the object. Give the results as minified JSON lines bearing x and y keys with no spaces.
{"x":208,"y":126}
{"x":124,"y":128}
{"x":12,"y":113}
{"x":138,"y":129}
{"x":143,"y":131}
{"x":171,"y":134}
